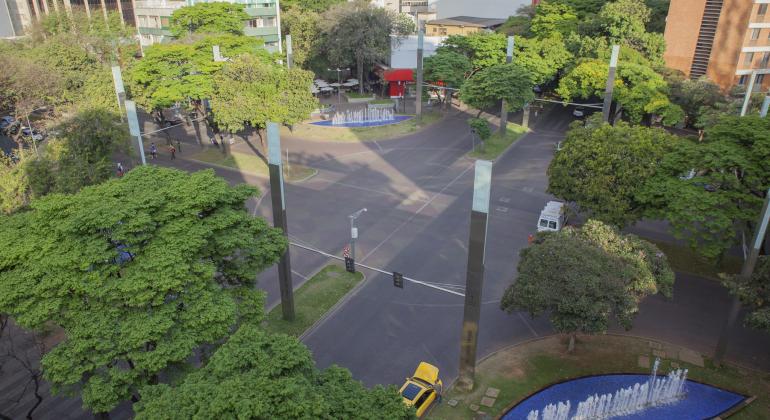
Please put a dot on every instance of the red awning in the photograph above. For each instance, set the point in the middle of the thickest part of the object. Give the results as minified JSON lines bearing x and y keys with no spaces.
{"x":399,"y":75}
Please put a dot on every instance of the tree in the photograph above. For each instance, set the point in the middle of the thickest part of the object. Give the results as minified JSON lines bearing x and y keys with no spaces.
{"x":693,"y":95}
{"x":403,"y":24}
{"x":480,"y":128}
{"x":543,"y":57}
{"x":755,"y":294}
{"x":212,"y":18}
{"x":249,"y":92}
{"x":603,"y":169}
{"x":357,"y":33}
{"x":259,"y":375}
{"x":14,"y":184}
{"x":510,"y":82}
{"x":482,"y":49}
{"x":138,"y":273}
{"x":447,"y":67}
{"x":722,"y":197}
{"x":584,"y":9}
{"x":658,"y":14}
{"x":586,"y":277}
{"x":317,"y":6}
{"x":624,"y":22}
{"x":303,"y":26}
{"x":553,"y":18}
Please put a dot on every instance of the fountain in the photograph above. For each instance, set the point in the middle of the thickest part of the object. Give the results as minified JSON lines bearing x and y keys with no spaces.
{"x":361,"y":116}
{"x":624,"y":401}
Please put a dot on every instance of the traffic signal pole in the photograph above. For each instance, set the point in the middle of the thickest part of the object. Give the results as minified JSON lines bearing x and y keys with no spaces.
{"x":475,"y":274}
{"x":746,"y":272}
{"x":504,"y":107}
{"x":279,"y":217}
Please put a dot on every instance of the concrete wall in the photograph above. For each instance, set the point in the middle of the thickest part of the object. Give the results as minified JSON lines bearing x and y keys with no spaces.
{"x":731,"y":32}
{"x":500,"y":9}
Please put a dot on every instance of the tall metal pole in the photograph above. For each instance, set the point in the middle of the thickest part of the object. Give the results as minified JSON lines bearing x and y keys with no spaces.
{"x":289,"y":53}
{"x":133,"y":128}
{"x":746,"y":272}
{"x":120,"y":91}
{"x":747,"y":97}
{"x":610,"y":83}
{"x":418,"y":99}
{"x":765,"y":106}
{"x":275,"y":167}
{"x":475,"y":274}
{"x":504,"y":107}
{"x":354,"y":232}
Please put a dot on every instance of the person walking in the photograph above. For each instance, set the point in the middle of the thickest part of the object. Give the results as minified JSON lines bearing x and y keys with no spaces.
{"x":153,"y":150}
{"x":178,"y":146}
{"x":172,"y":149}
{"x":120,"y":170}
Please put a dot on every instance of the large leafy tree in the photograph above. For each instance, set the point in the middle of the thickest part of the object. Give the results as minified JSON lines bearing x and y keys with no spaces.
{"x":624,"y":21}
{"x":263,"y":376}
{"x":482,"y":49}
{"x":694,"y":96}
{"x":755,"y":294}
{"x":249,"y":93}
{"x":137,"y":272}
{"x":723,"y":194}
{"x":603,"y":169}
{"x":552,"y":18}
{"x":449,"y":68}
{"x":303,"y":26}
{"x":317,"y":6}
{"x":357,"y":33}
{"x":584,"y":278}
{"x":212,"y":18}
{"x":510,"y":82}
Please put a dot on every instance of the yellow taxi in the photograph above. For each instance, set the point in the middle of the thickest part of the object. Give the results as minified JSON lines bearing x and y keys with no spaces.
{"x":422,"y":389}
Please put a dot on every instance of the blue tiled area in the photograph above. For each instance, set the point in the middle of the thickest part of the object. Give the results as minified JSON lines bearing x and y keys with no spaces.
{"x":398,"y":119}
{"x":702,"y":401}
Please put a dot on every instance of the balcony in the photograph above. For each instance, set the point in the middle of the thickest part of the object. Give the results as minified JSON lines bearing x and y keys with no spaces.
{"x":261,"y":11}
{"x":261,"y":32}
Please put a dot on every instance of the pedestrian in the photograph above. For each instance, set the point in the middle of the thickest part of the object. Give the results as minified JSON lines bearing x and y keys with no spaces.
{"x":120,"y":170}
{"x":153,"y":150}
{"x":178,"y":146}
{"x":172,"y":149}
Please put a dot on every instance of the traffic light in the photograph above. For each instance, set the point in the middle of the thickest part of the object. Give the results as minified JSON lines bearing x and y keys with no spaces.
{"x":398,"y":280}
{"x":350,"y":265}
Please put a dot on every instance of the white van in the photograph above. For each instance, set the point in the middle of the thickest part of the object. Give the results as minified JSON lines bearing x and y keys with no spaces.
{"x":552,"y":217}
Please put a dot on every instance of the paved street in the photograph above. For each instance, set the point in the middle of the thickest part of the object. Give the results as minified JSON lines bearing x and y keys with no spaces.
{"x":418,"y":192}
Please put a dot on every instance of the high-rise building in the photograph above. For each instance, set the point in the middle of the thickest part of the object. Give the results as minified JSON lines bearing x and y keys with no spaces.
{"x":23,"y":13}
{"x":724,"y":40}
{"x":153,"y":19}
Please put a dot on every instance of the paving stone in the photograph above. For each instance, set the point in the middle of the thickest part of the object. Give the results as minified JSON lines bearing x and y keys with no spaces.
{"x":474,"y":407}
{"x":644,"y":362}
{"x":655,"y":345}
{"x":487,"y":402}
{"x":691,"y":357}
{"x":659,"y":353}
{"x":492,"y":392}
{"x":452,"y":403}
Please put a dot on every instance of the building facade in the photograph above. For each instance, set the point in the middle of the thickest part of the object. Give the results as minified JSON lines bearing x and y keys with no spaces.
{"x":727,"y":41}
{"x":460,"y":25}
{"x":23,"y":13}
{"x":153,"y":18}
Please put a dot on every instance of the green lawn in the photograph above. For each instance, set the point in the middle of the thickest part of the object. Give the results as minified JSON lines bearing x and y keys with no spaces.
{"x":682,"y":258}
{"x":313,"y":299}
{"x":497,"y":144}
{"x":250,"y":163}
{"x":384,"y":132}
{"x":520,"y":371}
{"x":356,"y":95}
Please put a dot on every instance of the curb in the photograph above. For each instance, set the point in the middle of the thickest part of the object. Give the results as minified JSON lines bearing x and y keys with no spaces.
{"x":335,"y":308}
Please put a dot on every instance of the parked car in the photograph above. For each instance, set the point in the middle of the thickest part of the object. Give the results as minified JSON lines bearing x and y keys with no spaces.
{"x":32,"y":133}
{"x":579,"y":112}
{"x":423,"y":388}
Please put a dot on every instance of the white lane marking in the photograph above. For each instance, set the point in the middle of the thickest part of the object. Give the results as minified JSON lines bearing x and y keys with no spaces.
{"x":524,"y":320}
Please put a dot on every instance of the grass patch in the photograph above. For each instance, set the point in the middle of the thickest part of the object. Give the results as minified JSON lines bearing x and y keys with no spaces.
{"x":356,"y":95}
{"x":381,"y":101}
{"x":520,"y":371}
{"x":313,"y":299}
{"x":684,"y":259}
{"x":251,"y":164}
{"x":497,"y":143}
{"x":383,"y":132}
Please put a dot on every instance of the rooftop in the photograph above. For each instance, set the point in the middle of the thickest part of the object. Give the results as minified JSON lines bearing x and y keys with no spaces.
{"x":478,"y":22}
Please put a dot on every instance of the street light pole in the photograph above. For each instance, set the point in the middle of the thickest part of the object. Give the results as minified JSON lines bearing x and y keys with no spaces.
{"x":339,"y":82}
{"x":354,"y":232}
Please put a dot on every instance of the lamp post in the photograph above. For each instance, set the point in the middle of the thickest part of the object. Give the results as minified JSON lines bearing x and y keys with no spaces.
{"x":339,"y":82}
{"x":354,"y":232}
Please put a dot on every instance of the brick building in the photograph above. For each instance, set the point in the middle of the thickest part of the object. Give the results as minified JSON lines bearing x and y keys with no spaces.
{"x":725,"y":40}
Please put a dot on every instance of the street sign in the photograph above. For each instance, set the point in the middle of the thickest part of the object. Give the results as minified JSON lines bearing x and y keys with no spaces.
{"x":398,"y":280}
{"x":350,"y":265}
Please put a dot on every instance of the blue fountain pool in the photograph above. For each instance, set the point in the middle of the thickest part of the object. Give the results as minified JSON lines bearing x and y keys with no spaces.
{"x":702,"y":401}
{"x":397,"y":119}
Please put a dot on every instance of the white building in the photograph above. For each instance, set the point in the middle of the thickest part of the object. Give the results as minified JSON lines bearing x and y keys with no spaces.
{"x":499,"y":9}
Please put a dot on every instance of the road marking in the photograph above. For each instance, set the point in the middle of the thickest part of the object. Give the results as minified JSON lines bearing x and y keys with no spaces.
{"x":502,"y":209}
{"x":331,"y":182}
{"x":303,"y":277}
{"x":378,"y":146}
{"x":417,"y":212}
{"x":505,"y":199}
{"x":524,"y":320}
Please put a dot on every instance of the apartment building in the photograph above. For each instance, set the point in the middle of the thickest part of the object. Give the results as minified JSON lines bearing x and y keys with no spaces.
{"x":23,"y":13}
{"x":724,"y":40}
{"x":153,"y":18}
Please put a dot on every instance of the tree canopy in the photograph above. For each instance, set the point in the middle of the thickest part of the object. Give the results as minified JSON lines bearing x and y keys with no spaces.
{"x":259,"y":375}
{"x":214,"y":18}
{"x":603,"y":169}
{"x":138,"y":272}
{"x":755,"y":294}
{"x":510,"y":82}
{"x":584,"y":278}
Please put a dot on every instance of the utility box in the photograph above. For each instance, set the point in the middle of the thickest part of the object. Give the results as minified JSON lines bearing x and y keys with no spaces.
{"x":552,"y":217}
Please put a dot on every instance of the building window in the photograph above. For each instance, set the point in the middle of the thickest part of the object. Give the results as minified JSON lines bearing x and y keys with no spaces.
{"x":759,"y":79}
{"x":748,"y":58}
{"x":164,"y":22}
{"x":742,"y":80}
{"x":762,"y":9}
{"x":755,"y":34}
{"x":264,"y":22}
{"x":765,"y":59}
